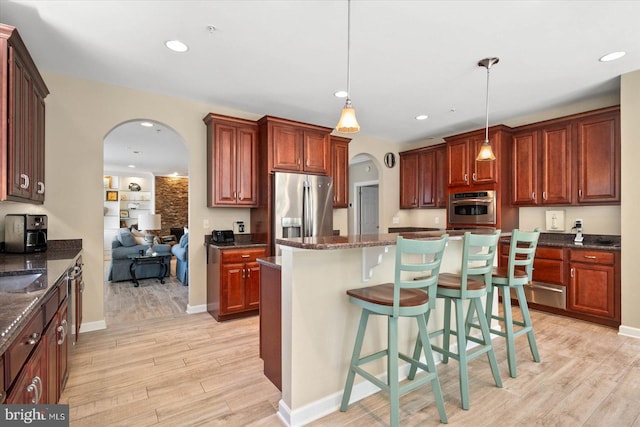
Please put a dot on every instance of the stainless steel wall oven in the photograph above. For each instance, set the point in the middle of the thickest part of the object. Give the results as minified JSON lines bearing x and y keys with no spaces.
{"x":472,"y":208}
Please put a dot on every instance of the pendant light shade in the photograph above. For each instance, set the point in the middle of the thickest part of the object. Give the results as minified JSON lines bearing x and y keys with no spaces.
{"x":486,"y":153}
{"x":348,"y":122}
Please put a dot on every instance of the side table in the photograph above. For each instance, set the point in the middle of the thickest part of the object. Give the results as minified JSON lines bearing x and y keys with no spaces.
{"x":137,"y":260}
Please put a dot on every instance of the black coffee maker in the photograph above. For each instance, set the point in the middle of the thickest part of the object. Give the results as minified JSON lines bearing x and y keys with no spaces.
{"x":25,"y":233}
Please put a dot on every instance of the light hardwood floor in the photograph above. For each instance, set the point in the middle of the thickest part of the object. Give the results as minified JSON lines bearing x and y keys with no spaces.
{"x":187,"y":370}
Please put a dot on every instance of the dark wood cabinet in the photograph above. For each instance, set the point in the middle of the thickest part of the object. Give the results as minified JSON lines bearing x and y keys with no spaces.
{"x":599,"y":158}
{"x":233,"y":282}
{"x":593,"y":288}
{"x":573,"y":160}
{"x":340,"y":171}
{"x":30,"y":387}
{"x":422,"y":178}
{"x":464,"y":169}
{"x":271,"y":322}
{"x":295,"y":147}
{"x":232,"y":156}
{"x":22,"y":114}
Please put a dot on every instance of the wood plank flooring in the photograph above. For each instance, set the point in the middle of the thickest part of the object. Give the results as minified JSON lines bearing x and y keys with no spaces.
{"x":188,"y":370}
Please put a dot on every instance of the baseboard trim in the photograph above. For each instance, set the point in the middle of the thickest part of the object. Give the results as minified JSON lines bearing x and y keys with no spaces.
{"x":93,"y":326}
{"x":193,"y":309}
{"x":628,"y":331}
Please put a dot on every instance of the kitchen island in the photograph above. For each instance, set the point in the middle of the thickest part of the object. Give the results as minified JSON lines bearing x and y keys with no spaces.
{"x":319,"y":324}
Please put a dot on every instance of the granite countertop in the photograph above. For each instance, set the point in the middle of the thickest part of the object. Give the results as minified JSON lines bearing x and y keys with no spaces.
{"x":16,"y":309}
{"x":372,"y":240}
{"x":242,"y":241}
{"x":591,"y":241}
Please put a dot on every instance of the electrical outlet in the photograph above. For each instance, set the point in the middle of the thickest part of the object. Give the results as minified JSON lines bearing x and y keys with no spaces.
{"x":437,"y":220}
{"x":395,"y":220}
{"x":205,"y":223}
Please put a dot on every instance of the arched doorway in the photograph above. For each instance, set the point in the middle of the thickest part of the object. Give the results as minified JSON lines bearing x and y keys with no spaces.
{"x":145,"y":174}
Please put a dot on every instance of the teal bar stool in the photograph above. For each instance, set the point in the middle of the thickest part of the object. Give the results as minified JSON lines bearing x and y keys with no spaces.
{"x":470,"y":285}
{"x":515,"y":275}
{"x":405,"y":297}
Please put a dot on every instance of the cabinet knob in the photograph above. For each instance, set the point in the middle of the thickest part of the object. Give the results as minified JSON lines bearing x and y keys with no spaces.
{"x":240,"y":196}
{"x":40,"y":187}
{"x":572,"y":271}
{"x":544,"y":195}
{"x":580,"y":193}
{"x":474,"y":177}
{"x":533,"y":195}
{"x":466,"y":177}
{"x":33,"y":338}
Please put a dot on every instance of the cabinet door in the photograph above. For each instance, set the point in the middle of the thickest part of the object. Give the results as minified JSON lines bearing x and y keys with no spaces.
{"x":37,"y":162}
{"x":246,"y":167}
{"x":62,"y":334}
{"x":483,"y":172}
{"x":287,"y":148}
{"x":340,"y":173}
{"x":426,"y":178}
{"x":316,"y":150}
{"x":51,"y":346}
{"x":225,"y":164}
{"x":20,"y":147}
{"x":232,"y":291}
{"x":252,"y":285}
{"x":441,"y":177}
{"x":30,"y":387}
{"x":524,"y":168}
{"x":458,"y":162}
{"x":408,"y":181}
{"x":556,"y":164}
{"x":591,"y":289}
{"x":78,"y":307}
{"x":599,"y":159}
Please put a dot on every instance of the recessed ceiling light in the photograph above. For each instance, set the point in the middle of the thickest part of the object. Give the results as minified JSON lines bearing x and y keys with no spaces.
{"x":341,"y":94}
{"x":612,"y":56}
{"x":137,"y":152}
{"x":176,"y":46}
{"x":146,"y":124}
{"x":422,"y":117}
{"x":132,"y":166}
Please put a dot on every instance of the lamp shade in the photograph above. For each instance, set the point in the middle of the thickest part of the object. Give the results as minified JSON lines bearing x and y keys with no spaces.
{"x":486,"y":153}
{"x":348,"y":122}
{"x":149,"y":222}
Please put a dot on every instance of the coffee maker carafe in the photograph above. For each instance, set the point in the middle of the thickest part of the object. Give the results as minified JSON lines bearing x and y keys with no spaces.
{"x":25,"y":233}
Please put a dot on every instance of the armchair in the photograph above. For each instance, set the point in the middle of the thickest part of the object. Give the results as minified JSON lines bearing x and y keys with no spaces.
{"x":181,"y":252}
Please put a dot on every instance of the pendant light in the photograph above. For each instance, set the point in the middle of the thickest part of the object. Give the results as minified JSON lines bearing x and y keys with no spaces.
{"x":348,"y":122}
{"x":486,"y":153}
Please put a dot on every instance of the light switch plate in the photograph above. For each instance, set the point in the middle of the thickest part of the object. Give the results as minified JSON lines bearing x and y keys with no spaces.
{"x":555,"y":220}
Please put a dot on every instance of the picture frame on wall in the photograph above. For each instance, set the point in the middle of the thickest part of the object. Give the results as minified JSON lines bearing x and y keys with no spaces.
{"x":107,"y":181}
{"x":112,"y":196}
{"x":124,"y":214}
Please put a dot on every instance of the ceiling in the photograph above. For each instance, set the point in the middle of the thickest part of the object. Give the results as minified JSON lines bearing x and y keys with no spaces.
{"x":288,"y":58}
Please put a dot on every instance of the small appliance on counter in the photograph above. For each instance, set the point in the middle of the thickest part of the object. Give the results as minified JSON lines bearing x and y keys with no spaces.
{"x":25,"y":233}
{"x":224,"y":237}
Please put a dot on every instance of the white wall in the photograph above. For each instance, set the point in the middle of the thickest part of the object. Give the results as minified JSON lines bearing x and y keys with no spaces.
{"x":630,"y":112}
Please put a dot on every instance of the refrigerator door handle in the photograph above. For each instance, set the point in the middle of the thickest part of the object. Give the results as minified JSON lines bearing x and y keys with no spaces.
{"x":306,"y":209}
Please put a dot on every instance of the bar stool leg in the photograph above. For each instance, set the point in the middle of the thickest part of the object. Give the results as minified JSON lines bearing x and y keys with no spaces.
{"x":431,"y":364}
{"x":508,"y":326}
{"x":486,"y":338}
{"x":392,"y":373}
{"x":447,"y":330}
{"x":462,"y":352}
{"x":364,"y":317}
{"x":522,"y":300}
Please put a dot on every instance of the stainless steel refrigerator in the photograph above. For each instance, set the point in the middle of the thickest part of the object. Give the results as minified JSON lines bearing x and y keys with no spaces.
{"x":302,"y":206}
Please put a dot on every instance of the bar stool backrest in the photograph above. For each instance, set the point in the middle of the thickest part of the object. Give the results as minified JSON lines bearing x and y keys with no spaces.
{"x":522,"y":252}
{"x":476,"y":260}
{"x":422,"y":259}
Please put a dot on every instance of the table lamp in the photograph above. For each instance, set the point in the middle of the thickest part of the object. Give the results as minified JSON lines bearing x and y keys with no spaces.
{"x":149,"y":223}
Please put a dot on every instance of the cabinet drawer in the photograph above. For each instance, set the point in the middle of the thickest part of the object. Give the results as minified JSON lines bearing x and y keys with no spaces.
{"x":62,"y":290}
{"x":549,"y":252}
{"x":591,"y":257}
{"x":548,"y":271}
{"x":241,"y":255}
{"x":19,"y":350}
{"x":50,"y":307}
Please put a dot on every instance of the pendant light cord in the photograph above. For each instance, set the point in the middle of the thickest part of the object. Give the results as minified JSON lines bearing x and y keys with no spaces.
{"x":348,"y":51}
{"x":486,"y":128}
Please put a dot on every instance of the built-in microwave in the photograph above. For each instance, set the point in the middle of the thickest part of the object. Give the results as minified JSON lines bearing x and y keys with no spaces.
{"x":472,"y":208}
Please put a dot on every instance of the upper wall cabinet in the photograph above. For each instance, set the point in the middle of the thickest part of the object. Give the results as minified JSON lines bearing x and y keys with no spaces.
{"x":463,"y":168}
{"x":22,"y":114}
{"x":296,"y":147}
{"x":568,"y":161}
{"x":423,"y":178}
{"x":232,"y":156}
{"x":340,"y":170}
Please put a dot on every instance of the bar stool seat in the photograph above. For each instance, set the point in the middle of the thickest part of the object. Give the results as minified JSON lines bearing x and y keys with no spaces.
{"x":405,"y":297}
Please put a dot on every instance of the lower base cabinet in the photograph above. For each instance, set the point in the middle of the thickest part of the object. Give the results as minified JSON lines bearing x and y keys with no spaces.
{"x":271,"y":322}
{"x":233,"y":282}
{"x":30,"y":387}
